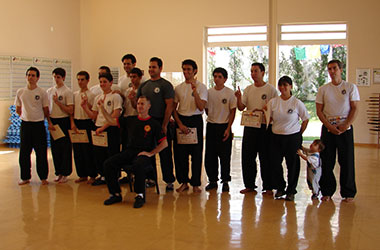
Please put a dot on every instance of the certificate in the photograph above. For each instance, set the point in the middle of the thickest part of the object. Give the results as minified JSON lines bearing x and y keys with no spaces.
{"x":80,"y":137}
{"x":189,"y":138}
{"x":57,"y":133}
{"x":99,"y":140}
{"x":251,"y":119}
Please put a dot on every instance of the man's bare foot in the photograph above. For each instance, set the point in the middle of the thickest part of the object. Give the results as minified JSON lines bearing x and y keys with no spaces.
{"x":326,"y":198}
{"x":59,"y":177}
{"x":44,"y":182}
{"x":182,"y":188}
{"x":80,"y":179}
{"x":63,"y":179}
{"x":197,"y":189}
{"x":23,"y":182}
{"x":91,"y":180}
{"x":348,"y":199}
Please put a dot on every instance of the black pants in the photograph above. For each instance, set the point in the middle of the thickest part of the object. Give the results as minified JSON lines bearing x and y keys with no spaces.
{"x":125,"y":130}
{"x":103,"y":153}
{"x":33,"y":136}
{"x":83,"y":152}
{"x":61,"y":149}
{"x":140,"y":166}
{"x":256,"y":141}
{"x":166,"y":156}
{"x":183,"y":151}
{"x":344,"y":144}
{"x":285,"y":146}
{"x":216,"y":149}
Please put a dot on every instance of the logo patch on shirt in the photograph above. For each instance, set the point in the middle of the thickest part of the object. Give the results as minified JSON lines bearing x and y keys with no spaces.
{"x":264,"y":97}
{"x":147,"y":128}
{"x":290,"y":111}
{"x":224,"y":101}
{"x":37,"y":97}
{"x":109,"y":103}
{"x":60,"y":98}
{"x":157,"y":90}
{"x":343,"y":92}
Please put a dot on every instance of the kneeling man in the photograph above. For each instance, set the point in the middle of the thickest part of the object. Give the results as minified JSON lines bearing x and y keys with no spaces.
{"x":146,"y":140}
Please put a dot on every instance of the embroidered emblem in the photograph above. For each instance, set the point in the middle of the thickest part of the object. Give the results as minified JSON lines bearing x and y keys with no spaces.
{"x":157,"y":90}
{"x":343,"y":92}
{"x":60,"y":98}
{"x":37,"y":97}
{"x":224,"y":101}
{"x":147,"y":128}
{"x":264,"y":97}
{"x":109,"y":103}
{"x":290,"y":111}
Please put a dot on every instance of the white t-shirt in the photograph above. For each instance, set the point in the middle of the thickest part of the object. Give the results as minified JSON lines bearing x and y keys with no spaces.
{"x":129,"y":110}
{"x":111,"y":103}
{"x":336,"y":99}
{"x":125,"y":82}
{"x":32,"y":103}
{"x":65,"y":96}
{"x":286,"y":115}
{"x":79,"y":112}
{"x":314,"y":160}
{"x":185,"y":99}
{"x":219,"y":104}
{"x":97,"y":90}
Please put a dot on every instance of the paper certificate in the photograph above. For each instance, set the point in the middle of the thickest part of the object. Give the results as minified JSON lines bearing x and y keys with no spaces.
{"x":80,"y":137}
{"x":99,"y":140}
{"x":57,"y":133}
{"x":251,"y":119}
{"x":189,"y":138}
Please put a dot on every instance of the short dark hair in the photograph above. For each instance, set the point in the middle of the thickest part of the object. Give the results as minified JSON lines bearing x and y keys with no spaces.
{"x":107,"y":75}
{"x":144,"y":96}
{"x":260,"y":65}
{"x":85,"y":74}
{"x":106,"y":68}
{"x":136,"y":71}
{"x":158,"y":60}
{"x":221,"y":71}
{"x":33,"y":69}
{"x":129,"y":56}
{"x":59,"y":71}
{"x":285,"y":79}
{"x":340,"y":64}
{"x":190,"y":62}
{"x":320,"y":144}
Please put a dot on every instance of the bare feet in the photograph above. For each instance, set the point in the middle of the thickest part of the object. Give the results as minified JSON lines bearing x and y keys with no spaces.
{"x":197,"y":189}
{"x":63,"y":179}
{"x":59,"y":177}
{"x":182,"y":188}
{"x":44,"y":182}
{"x":23,"y":182}
{"x":348,"y":199}
{"x":326,"y":198}
{"x":91,"y":180}
{"x":246,"y":190}
{"x":80,"y":179}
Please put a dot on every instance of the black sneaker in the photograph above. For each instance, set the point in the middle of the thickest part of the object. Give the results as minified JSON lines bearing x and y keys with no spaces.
{"x":99,"y":181}
{"x":169,"y":187}
{"x":279,"y":194}
{"x":225,"y":187}
{"x":112,"y":199}
{"x":124,"y":180}
{"x":150,"y":183}
{"x":289,"y":197}
{"x":211,"y":185}
{"x":139,"y":201}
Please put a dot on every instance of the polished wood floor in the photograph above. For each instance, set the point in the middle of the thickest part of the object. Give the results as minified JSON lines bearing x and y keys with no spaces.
{"x":72,"y":216}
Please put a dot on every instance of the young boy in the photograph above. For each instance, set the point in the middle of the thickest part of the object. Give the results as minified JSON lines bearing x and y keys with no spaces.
{"x":61,"y":107}
{"x":314,"y":163}
{"x":83,"y":152}
{"x":105,"y":111}
{"x":220,"y":108}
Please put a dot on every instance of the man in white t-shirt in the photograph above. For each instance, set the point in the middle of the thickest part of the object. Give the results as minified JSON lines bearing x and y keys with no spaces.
{"x":61,"y":107}
{"x":129,"y":62}
{"x":337,"y":107}
{"x":189,"y":103}
{"x":32,"y":105}
{"x":256,"y":139}
{"x":220,"y":109}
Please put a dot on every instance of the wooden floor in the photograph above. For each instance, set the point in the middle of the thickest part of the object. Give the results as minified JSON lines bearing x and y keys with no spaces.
{"x":72,"y":216}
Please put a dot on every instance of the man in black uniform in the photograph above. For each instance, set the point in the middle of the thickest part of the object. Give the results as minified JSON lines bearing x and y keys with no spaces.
{"x":146,"y":140}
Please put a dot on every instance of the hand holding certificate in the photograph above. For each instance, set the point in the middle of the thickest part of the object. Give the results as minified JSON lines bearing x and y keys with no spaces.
{"x":189,"y":138}
{"x":251,"y":119}
{"x":57,"y":133}
{"x":78,"y":137}
{"x":99,"y":140}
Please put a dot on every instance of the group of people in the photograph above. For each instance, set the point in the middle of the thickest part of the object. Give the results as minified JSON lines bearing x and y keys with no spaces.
{"x":144,"y":117}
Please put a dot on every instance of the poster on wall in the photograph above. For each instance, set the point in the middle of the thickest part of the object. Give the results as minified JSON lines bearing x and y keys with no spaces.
{"x":363,"y":77}
{"x":376,"y":76}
